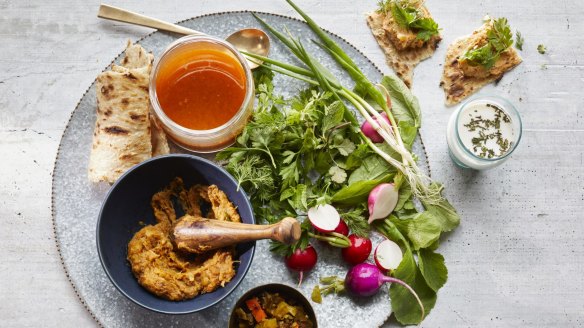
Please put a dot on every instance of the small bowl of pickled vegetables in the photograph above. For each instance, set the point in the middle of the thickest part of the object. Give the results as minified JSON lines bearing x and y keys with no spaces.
{"x":272,"y":306}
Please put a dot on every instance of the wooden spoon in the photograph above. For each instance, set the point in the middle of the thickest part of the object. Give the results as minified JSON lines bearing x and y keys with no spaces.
{"x":198,"y":235}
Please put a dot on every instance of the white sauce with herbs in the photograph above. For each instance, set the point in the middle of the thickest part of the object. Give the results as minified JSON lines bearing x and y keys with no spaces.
{"x":486,"y":130}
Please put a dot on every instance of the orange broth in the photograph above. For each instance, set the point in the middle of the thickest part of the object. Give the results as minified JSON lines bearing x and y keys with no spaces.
{"x":201,"y":88}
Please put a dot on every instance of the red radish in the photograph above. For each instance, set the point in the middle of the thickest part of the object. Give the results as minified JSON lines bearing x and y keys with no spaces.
{"x":370,"y":132}
{"x":342,"y":228}
{"x":358,"y":251}
{"x":382,"y":201}
{"x":324,"y":218}
{"x":366,"y":279}
{"x":387,"y":255}
{"x":302,"y":260}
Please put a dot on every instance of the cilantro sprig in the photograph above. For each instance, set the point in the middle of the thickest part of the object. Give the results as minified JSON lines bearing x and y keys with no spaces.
{"x":499,"y":39}
{"x":407,"y":13}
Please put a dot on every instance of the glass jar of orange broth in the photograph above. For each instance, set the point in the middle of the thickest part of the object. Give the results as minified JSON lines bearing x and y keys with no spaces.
{"x":202,"y":92}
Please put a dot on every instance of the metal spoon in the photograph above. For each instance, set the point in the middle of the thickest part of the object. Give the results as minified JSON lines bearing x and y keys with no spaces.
{"x":250,"y":39}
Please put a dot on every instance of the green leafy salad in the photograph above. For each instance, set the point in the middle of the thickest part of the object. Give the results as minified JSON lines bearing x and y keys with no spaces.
{"x":308,"y":150}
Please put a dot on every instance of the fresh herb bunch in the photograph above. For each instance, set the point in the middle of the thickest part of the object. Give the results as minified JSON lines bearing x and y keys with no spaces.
{"x":294,"y":154}
{"x":499,"y":39}
{"x":408,"y":14}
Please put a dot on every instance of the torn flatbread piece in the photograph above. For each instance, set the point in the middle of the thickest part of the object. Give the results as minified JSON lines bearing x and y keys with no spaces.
{"x":158,"y":137}
{"x":461,"y":78}
{"x":125,"y":132}
{"x":137,"y":57}
{"x":403,"y":49}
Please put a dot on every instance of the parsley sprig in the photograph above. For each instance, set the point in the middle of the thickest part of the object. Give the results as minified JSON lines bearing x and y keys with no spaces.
{"x":519,"y":40}
{"x":407,"y":13}
{"x":499,"y":38}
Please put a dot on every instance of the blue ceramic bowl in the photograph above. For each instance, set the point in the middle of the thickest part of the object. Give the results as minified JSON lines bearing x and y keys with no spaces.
{"x":128,"y":203}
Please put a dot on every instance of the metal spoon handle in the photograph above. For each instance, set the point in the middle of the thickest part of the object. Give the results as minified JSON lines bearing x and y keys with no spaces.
{"x":125,"y":16}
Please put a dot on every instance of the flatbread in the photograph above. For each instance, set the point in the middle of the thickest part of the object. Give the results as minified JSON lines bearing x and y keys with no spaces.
{"x":403,"y":61}
{"x":456,"y":84}
{"x":121,"y":138}
{"x":137,"y":57}
{"x":158,"y":137}
{"x":125,"y":133}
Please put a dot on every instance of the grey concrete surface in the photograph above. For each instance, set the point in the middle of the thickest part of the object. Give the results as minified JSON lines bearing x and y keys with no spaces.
{"x":516,"y":260}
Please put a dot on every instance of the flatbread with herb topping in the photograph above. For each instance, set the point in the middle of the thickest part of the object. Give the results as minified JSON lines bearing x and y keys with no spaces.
{"x":460,"y":80}
{"x":403,"y":51}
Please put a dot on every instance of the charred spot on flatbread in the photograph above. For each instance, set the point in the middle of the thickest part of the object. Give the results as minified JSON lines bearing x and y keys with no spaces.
{"x":131,"y":76}
{"x":115,"y":130}
{"x":138,"y":117}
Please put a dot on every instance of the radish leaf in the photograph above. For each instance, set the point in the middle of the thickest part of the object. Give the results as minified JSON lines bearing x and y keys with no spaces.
{"x":432,"y":268}
{"x":422,"y":230}
{"x":445,"y":214}
{"x":405,"y":193}
{"x":405,"y":106}
{"x":408,"y":134}
{"x":403,"y":304}
{"x":357,"y":192}
{"x":372,"y":168}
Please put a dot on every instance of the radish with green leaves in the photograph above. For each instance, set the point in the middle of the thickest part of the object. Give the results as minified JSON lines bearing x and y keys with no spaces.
{"x":324,"y":218}
{"x":302,"y":260}
{"x":387,"y":255}
{"x":382,"y":201}
{"x":366,"y":279}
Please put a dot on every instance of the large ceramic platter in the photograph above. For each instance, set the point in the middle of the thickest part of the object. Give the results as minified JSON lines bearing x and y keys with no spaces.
{"x":76,"y":204}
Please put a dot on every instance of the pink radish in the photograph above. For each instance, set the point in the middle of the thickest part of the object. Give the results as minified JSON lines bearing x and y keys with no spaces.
{"x":366,"y":279}
{"x":324,"y":218}
{"x":382,"y":201}
{"x":302,"y":260}
{"x":358,"y":251}
{"x":370,"y":132}
{"x":387,"y":255}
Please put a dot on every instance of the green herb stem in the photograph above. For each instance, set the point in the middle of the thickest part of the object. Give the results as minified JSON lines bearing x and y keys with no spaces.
{"x":333,"y":238}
